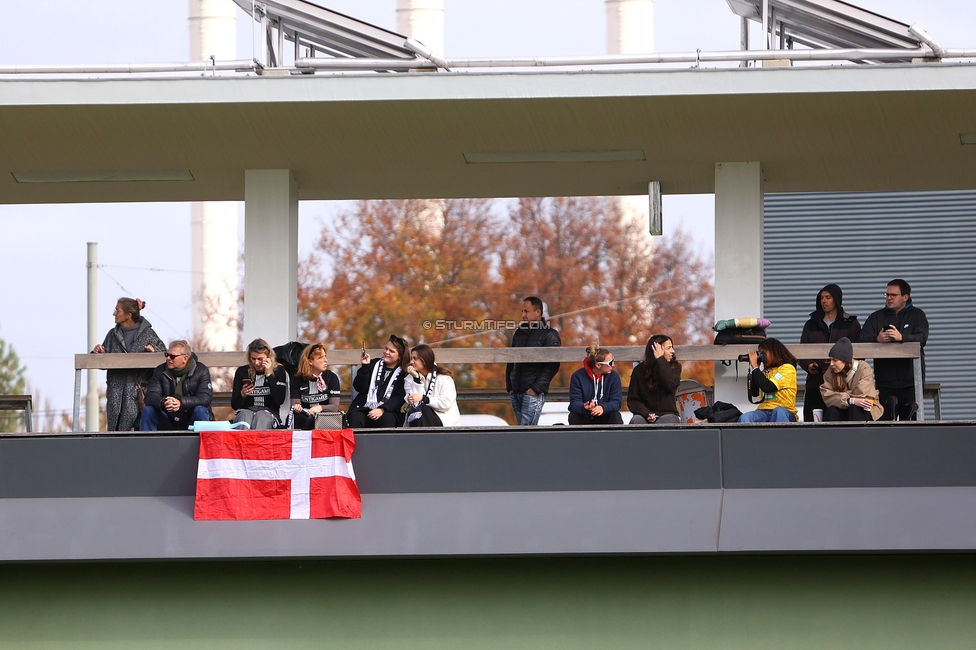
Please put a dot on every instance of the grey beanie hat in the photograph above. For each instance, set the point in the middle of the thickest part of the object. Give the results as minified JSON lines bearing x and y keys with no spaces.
{"x":842,"y":350}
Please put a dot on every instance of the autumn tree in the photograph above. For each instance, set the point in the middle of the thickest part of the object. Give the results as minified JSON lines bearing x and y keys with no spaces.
{"x":389,"y":267}
{"x":602,"y":277}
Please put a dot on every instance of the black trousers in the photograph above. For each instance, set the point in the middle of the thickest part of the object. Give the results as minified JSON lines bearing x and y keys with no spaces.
{"x":905,"y":407}
{"x":358,"y":420}
{"x":850,"y":414}
{"x":613,"y":417}
{"x":812,"y":397}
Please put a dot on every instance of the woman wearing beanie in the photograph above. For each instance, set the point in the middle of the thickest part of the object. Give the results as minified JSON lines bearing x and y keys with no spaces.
{"x":848,"y":387}
{"x":828,"y":324}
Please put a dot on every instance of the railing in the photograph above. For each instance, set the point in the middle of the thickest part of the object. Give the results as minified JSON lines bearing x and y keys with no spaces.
{"x":450,"y":356}
{"x":18,"y":403}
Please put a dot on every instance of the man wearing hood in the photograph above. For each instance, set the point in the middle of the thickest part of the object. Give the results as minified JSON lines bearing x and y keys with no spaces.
{"x":179,"y":393}
{"x":899,"y":321}
{"x":828,"y":323}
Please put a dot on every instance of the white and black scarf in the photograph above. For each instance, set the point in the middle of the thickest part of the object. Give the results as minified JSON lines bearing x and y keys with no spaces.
{"x":372,"y":400}
{"x":415,"y":411}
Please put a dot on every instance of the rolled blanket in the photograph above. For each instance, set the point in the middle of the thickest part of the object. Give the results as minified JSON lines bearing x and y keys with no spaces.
{"x":743,"y":323}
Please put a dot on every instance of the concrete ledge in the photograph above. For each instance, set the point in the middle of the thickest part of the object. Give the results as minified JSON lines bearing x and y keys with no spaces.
{"x":849,"y":519}
{"x":470,"y":524}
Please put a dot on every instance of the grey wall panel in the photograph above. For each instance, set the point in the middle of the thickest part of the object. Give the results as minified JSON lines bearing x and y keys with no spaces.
{"x":98,"y":466}
{"x":511,"y":523}
{"x":849,"y":519}
{"x":909,"y":455}
{"x":466,"y":461}
{"x":863,"y":240}
{"x":534,"y":460}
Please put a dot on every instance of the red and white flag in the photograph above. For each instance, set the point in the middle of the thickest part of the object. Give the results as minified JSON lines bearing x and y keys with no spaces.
{"x":280,"y":474}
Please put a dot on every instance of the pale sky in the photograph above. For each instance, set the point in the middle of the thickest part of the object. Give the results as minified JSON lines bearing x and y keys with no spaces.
{"x":144,"y":248}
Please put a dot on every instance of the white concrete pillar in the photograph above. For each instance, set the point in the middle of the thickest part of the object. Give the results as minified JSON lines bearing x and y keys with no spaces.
{"x":738,"y":261}
{"x":270,"y":256}
{"x":422,"y":20}
{"x":213,"y":226}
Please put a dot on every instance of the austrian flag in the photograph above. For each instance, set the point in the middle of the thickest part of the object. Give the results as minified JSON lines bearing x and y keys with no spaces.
{"x":279,"y":474}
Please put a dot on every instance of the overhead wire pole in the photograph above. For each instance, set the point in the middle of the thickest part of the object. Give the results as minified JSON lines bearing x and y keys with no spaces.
{"x":91,"y":398}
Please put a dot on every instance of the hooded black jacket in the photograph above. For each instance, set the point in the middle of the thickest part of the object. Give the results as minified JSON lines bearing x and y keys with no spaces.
{"x":816,"y":331}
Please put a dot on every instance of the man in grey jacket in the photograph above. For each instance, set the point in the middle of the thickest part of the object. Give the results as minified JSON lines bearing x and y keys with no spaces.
{"x":179,"y":393}
{"x":528,"y":383}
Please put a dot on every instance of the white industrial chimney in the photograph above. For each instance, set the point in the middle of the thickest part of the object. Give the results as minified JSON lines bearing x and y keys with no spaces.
{"x":214,"y":237}
{"x":630,"y":30}
{"x":422,"y":20}
{"x":630,"y":26}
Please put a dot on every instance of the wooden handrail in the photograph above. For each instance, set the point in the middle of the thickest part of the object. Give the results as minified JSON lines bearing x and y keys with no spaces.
{"x":448,"y":356}
{"x":451,"y":356}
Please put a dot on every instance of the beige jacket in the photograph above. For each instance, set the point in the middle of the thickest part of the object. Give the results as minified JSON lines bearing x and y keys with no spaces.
{"x":860,"y":383}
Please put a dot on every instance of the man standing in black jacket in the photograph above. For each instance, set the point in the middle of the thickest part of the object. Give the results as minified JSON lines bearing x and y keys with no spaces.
{"x":899,"y":321}
{"x":179,"y":393}
{"x":528,"y":383}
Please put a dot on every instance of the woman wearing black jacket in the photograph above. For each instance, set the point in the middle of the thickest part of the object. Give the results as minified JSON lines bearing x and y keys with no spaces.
{"x":314,"y":388}
{"x":379,"y":388}
{"x":828,"y":323}
{"x":260,"y":388}
{"x":652,"y":384}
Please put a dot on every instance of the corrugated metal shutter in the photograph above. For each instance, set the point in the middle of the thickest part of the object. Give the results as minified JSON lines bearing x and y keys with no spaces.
{"x":863,"y":240}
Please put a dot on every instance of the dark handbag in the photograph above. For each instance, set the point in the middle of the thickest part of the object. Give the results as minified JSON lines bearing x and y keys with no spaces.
{"x":719,"y":412}
{"x":331,"y":421}
{"x":428,"y":416}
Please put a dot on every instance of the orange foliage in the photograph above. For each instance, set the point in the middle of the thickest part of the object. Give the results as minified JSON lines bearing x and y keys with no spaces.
{"x":390,"y":266}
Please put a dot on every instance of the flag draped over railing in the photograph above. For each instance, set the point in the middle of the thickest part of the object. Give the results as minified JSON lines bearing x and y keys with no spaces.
{"x":280,"y":474}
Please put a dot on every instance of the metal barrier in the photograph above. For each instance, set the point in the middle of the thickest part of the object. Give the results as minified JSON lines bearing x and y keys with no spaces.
{"x":18,"y":403}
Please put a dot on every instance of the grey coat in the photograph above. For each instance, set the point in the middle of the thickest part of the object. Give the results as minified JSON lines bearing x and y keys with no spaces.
{"x":121,"y":392}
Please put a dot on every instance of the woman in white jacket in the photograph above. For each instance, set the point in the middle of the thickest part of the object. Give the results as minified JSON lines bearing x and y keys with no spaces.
{"x":431,"y":394}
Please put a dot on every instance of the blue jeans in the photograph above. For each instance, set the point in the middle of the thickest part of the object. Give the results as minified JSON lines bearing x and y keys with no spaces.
{"x":154,"y":419}
{"x":527,"y":408}
{"x":778,"y":414}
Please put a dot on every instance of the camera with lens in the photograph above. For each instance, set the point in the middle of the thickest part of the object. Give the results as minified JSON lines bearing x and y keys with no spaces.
{"x":760,"y":357}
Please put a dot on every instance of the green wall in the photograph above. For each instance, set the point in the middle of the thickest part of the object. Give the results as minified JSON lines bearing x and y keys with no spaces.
{"x":661,"y":602}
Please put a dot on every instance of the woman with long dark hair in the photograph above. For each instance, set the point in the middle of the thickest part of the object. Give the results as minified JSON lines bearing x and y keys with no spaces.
{"x":379,"y":388}
{"x":132,"y":333}
{"x":314,"y":388}
{"x":775,"y":382}
{"x":431,"y":393}
{"x":595,"y":391}
{"x":652,"y":384}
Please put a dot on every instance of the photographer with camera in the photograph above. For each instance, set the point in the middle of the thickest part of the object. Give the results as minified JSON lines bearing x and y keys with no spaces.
{"x":775,"y":383}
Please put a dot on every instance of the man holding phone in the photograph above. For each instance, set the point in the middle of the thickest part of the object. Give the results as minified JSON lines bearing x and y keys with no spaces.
{"x":899,"y":321}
